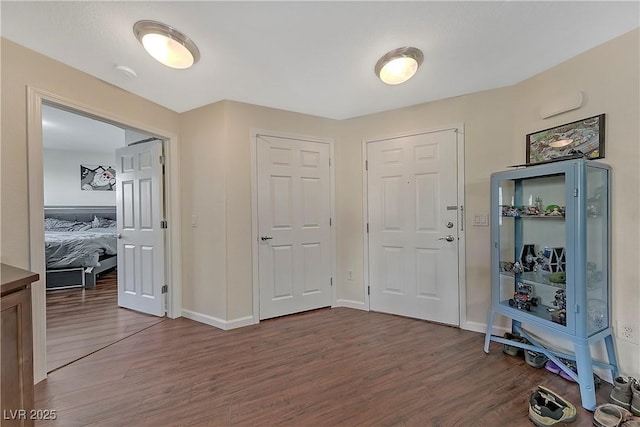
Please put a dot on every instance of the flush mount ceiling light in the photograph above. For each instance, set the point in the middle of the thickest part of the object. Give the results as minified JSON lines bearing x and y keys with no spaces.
{"x":166,"y":44}
{"x":399,"y":65}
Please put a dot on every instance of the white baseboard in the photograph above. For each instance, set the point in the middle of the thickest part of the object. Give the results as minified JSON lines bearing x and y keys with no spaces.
{"x":482,"y":328}
{"x":216,"y":322}
{"x":359,"y":305}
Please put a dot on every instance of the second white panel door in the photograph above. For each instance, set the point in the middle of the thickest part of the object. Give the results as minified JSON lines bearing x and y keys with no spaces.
{"x":294,"y":209}
{"x":141,"y":251}
{"x":413,"y":226}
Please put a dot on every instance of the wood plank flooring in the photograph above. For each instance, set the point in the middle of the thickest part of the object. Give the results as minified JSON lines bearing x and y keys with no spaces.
{"x":81,"y":321}
{"x":331,"y":367}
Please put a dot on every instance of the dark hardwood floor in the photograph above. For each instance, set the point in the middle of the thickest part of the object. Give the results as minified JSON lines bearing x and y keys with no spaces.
{"x":332,"y":367}
{"x":81,"y":321}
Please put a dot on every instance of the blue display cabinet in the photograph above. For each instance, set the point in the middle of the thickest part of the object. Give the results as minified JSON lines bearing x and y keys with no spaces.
{"x":550,"y":240}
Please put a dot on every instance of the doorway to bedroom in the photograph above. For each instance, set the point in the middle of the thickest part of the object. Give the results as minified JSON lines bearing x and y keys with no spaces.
{"x":81,"y":236}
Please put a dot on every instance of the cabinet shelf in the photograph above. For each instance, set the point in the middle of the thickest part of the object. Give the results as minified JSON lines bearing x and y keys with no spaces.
{"x":542,"y":311}
{"x":534,"y":216}
{"x":532,"y":278}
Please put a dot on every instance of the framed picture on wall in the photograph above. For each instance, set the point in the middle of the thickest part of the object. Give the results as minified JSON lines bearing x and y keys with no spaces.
{"x":100,"y":178}
{"x":585,"y":136}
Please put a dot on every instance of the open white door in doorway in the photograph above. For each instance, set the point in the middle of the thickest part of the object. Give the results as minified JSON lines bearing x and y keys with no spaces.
{"x":141,"y":243}
{"x":294,"y":210}
{"x":413,"y":214}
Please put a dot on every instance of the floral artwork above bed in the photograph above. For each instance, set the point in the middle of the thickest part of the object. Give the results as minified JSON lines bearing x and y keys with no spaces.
{"x":102,"y":178}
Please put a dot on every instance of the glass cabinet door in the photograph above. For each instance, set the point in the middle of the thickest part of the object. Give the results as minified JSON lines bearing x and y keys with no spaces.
{"x":532,"y":246}
{"x":596,"y":242}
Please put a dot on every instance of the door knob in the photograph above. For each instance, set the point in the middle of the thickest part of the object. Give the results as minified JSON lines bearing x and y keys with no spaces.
{"x":449,"y":238}
{"x":119,"y":236}
{"x":263,"y":238}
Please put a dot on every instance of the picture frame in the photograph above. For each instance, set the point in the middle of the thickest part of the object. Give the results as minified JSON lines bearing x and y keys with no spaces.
{"x":97,"y":178}
{"x":585,"y":136}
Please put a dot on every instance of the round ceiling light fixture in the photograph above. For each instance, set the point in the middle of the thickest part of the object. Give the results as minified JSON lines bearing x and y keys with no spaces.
{"x":399,"y":65}
{"x":166,"y":44}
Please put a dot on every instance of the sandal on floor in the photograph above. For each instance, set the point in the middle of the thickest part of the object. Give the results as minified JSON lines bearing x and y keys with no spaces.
{"x":610,"y":415}
{"x":552,"y":367}
{"x":566,"y":376}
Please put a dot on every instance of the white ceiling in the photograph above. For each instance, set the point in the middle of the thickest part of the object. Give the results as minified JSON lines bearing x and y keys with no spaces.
{"x":63,"y":130}
{"x":318,"y":57}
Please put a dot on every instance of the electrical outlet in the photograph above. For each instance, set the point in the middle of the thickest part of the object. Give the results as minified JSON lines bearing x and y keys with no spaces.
{"x":627,"y":332}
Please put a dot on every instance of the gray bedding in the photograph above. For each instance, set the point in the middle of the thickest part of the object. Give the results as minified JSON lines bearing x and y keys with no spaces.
{"x":79,"y":248}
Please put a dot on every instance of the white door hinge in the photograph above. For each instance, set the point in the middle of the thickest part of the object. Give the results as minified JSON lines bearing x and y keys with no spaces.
{"x":165,"y":289}
{"x":164,"y":224}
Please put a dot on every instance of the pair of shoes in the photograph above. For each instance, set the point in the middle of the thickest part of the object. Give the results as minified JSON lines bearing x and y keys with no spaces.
{"x":535,"y":359}
{"x":626,"y":393}
{"x":547,"y":408}
{"x":610,"y":415}
{"x":552,"y":367}
{"x":510,"y":349}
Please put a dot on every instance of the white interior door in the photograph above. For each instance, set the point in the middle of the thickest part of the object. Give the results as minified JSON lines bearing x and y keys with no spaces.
{"x":413,"y":226}
{"x":139,"y":202}
{"x":294,"y":209}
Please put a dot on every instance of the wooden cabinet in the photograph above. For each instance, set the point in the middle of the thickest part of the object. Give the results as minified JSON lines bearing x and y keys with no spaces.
{"x":17,"y":348}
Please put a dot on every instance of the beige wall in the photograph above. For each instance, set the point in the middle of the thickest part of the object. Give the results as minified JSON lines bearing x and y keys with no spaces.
{"x":216,"y":170}
{"x":241,"y":120}
{"x":496,"y":123}
{"x":204,"y":253}
{"x":487,"y":118}
{"x":609,"y":76}
{"x":216,"y":163}
{"x":22,"y":67}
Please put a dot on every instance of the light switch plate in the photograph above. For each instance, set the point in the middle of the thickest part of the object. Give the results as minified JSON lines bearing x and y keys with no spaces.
{"x":481,"y":219}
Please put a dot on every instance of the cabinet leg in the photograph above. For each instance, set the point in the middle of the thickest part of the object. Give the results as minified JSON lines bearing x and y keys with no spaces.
{"x":585,"y":377}
{"x":611,"y":355}
{"x":487,"y":337}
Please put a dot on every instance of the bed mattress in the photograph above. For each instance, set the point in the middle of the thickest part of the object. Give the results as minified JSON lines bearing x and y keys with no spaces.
{"x":79,"y":248}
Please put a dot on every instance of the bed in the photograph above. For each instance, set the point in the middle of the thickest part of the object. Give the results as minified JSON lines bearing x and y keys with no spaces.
{"x":80,"y":244}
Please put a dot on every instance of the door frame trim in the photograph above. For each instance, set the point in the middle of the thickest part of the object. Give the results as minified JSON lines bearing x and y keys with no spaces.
{"x":462,"y":283}
{"x":35,"y":98}
{"x":255,"y":133}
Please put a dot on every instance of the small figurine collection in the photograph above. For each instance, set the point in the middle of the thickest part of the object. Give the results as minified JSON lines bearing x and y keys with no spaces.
{"x":560,"y":301}
{"x":523,"y":298}
{"x":532,"y":210}
{"x":550,"y":263}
